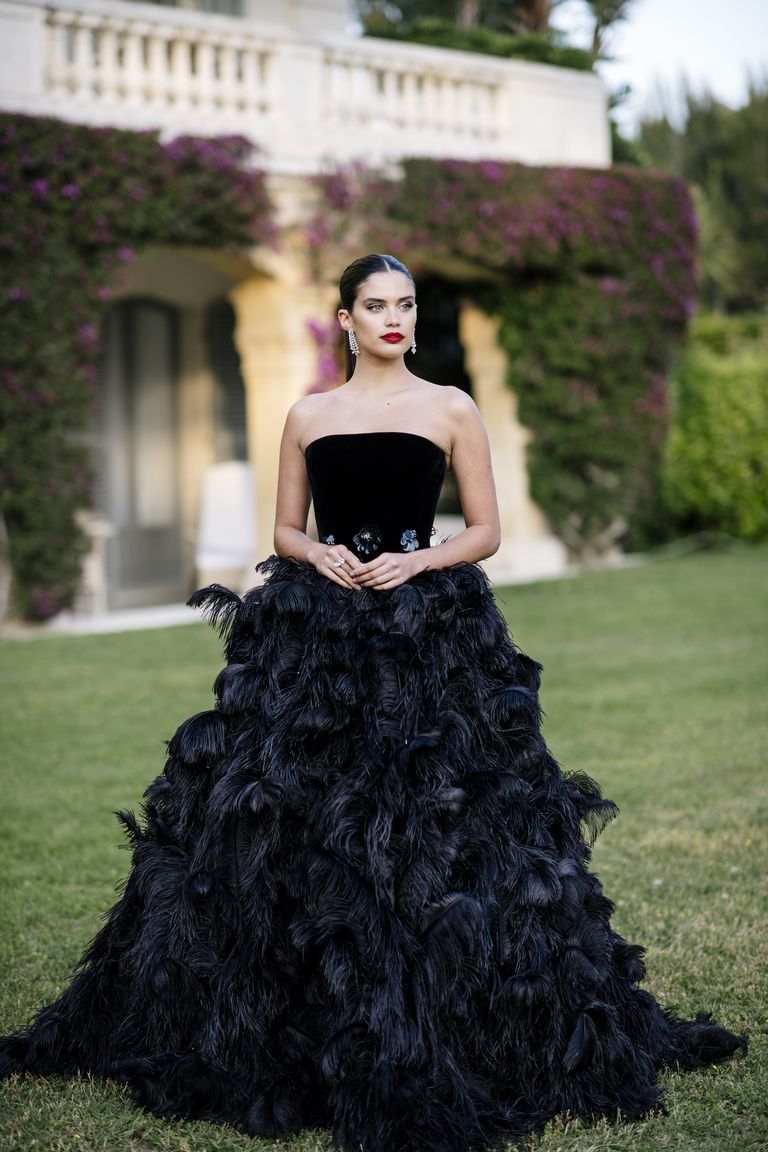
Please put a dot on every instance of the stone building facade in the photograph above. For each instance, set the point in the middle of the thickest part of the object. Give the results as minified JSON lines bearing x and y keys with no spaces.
{"x":206,"y":351}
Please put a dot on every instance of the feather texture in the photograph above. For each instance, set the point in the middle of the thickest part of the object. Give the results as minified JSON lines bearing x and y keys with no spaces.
{"x":359,"y":896}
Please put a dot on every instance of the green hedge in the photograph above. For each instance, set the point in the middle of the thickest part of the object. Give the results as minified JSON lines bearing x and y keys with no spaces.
{"x":75,"y":205}
{"x":716,"y":463}
{"x":534,"y":47}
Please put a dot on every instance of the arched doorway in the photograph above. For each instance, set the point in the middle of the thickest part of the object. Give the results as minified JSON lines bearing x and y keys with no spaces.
{"x":440,"y":355}
{"x":230,"y":431}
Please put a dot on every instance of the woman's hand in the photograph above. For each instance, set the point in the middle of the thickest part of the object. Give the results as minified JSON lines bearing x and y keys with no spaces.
{"x":388,"y":570}
{"x":337,"y":563}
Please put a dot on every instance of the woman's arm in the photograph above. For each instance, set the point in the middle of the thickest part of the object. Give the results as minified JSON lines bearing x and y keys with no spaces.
{"x":292,"y":508}
{"x":471,"y":463}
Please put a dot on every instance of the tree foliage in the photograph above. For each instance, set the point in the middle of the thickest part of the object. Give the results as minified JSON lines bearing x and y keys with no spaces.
{"x":518,"y":18}
{"x":513,"y":16}
{"x":510,"y":28}
{"x":723,"y":153}
{"x":606,"y":14}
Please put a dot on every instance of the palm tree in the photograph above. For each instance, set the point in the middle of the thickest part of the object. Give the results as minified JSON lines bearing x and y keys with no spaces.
{"x":606,"y":14}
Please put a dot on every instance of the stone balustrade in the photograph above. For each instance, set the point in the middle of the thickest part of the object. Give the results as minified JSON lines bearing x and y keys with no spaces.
{"x":306,"y":100}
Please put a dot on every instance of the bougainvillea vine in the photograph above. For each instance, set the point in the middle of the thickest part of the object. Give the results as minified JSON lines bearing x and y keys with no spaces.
{"x":76,"y":203}
{"x":592,"y":274}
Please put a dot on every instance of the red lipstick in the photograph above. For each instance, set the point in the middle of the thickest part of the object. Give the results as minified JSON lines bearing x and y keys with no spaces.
{"x":393,"y":337}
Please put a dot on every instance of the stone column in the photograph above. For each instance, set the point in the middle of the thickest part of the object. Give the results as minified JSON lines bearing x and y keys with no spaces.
{"x":278,"y":364}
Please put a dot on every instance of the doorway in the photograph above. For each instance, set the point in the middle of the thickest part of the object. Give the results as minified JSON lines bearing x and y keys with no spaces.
{"x":138,"y":465}
{"x":440,"y":355}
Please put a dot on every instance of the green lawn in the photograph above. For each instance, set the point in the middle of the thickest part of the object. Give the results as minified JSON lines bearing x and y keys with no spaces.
{"x":655,"y":683}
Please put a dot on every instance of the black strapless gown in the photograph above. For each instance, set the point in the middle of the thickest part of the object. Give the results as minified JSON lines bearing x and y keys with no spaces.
{"x":359,"y":896}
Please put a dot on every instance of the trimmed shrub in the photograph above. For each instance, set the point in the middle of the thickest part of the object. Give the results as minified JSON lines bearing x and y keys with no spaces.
{"x":536,"y":48}
{"x":716,"y":462}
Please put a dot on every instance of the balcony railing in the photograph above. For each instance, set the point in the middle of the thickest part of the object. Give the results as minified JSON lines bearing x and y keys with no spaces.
{"x":304,"y":100}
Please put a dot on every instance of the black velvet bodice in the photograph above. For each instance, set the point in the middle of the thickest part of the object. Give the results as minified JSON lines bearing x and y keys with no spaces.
{"x":375,"y":491}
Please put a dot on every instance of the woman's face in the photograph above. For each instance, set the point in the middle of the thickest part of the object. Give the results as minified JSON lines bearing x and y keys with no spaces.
{"x":384,"y":315}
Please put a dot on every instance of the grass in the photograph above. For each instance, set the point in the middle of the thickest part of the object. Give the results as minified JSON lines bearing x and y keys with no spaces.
{"x":655,"y":683}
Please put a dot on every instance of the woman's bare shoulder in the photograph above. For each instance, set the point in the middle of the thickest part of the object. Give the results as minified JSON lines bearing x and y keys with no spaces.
{"x":459,"y":409}
{"x":304,"y":414}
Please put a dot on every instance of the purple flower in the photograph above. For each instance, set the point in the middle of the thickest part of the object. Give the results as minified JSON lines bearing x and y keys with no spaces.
{"x":39,"y":189}
{"x":71,"y":191}
{"x":609,"y":285}
{"x":43,"y":604}
{"x":127,"y":255}
{"x":492,"y":171}
{"x":20,"y":295}
{"x":316,"y":234}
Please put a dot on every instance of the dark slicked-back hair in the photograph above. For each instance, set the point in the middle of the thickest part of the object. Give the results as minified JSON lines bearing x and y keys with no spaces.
{"x":356,"y":274}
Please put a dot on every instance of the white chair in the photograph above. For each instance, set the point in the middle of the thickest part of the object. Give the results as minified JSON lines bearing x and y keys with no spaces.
{"x":226,"y":537}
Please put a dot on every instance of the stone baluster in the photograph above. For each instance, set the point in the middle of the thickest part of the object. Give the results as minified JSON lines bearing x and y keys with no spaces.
{"x":442,"y":88}
{"x":489,"y":113}
{"x":363,"y":90}
{"x":158,"y":74}
{"x":58,"y":33}
{"x":354,"y":104}
{"x":252,"y":94}
{"x":477,"y":121}
{"x":428,"y":121}
{"x":81,"y":70}
{"x":106,"y":63}
{"x":228,"y":82}
{"x":180,"y":69}
{"x":205,"y":75}
{"x":388,"y":98}
{"x":403,"y":111}
{"x":239,"y":53}
{"x":454,"y":108}
{"x":410,"y":98}
{"x":133,"y":70}
{"x":475,"y":110}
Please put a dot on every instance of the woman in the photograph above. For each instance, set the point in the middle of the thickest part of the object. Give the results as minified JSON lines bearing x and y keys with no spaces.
{"x":360,"y":898}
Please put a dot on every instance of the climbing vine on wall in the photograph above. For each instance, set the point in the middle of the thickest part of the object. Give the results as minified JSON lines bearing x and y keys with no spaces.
{"x":592,"y":275}
{"x":75,"y":204}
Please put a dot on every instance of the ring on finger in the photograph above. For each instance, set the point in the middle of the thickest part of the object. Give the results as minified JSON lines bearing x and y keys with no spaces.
{"x":339,"y":562}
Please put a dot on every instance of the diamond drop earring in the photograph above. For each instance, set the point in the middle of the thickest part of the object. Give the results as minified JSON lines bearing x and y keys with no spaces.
{"x":413,"y":343}
{"x":353,"y":345}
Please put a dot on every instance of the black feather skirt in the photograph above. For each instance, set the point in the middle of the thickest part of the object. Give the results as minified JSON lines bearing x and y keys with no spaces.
{"x":359,"y":897}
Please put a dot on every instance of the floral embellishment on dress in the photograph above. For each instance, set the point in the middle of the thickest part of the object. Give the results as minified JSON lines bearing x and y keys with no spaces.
{"x":329,"y":539}
{"x":409,"y":541}
{"x":368,"y":539}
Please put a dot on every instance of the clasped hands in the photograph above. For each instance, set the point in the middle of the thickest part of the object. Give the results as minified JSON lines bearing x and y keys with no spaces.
{"x":387,"y":570}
